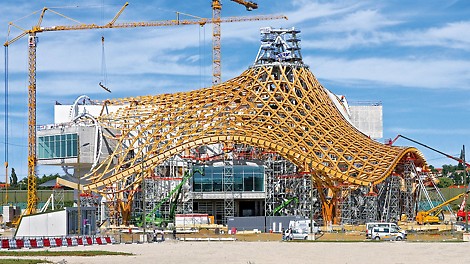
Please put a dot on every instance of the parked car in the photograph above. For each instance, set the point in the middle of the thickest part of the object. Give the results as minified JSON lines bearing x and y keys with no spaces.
{"x":304,"y":224}
{"x":296,"y":234}
{"x":385,"y":233}
{"x":371,"y":225}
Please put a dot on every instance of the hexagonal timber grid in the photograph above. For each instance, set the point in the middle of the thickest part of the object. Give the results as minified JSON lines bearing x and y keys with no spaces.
{"x":276,"y":106}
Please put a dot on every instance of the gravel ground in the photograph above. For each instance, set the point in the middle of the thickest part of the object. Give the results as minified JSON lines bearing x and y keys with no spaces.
{"x":276,"y":252}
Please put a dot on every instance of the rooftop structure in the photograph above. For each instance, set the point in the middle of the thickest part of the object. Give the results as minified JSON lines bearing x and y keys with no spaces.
{"x":274,"y":120}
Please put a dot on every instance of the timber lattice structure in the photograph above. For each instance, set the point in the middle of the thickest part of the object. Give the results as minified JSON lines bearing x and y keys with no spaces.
{"x":277,"y":106}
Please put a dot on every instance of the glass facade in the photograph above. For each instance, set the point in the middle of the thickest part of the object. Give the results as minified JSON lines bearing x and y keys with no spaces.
{"x":246,"y":179}
{"x":57,"y":146}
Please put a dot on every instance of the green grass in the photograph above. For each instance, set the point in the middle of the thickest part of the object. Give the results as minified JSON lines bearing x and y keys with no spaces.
{"x":61,"y":253}
{"x":24,"y":261}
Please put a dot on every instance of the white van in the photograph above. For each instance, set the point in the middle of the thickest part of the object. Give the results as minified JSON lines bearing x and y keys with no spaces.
{"x":390,"y":226}
{"x":304,"y":225}
{"x":386,"y":233}
{"x":296,"y":234}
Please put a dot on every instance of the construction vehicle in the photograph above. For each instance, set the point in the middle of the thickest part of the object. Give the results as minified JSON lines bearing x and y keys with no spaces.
{"x":155,"y":217}
{"x":461,"y":211}
{"x":431,"y":216}
{"x":459,"y":160}
{"x":32,"y":46}
{"x":284,"y":204}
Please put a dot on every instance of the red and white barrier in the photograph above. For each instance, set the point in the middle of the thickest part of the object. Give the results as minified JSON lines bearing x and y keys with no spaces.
{"x":58,"y":241}
{"x":18,"y":243}
{"x":46,"y":242}
{"x":5,"y":243}
{"x":12,"y":243}
{"x":35,"y":243}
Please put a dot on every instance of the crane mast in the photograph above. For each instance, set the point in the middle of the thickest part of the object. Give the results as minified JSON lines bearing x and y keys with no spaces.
{"x":32,"y":161}
{"x":216,"y":36}
{"x":216,"y":68}
{"x":32,"y":45}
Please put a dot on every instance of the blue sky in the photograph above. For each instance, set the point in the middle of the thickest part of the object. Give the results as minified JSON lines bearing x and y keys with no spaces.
{"x":414,"y":57}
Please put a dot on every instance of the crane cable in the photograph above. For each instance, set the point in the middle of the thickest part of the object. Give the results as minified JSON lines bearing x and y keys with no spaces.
{"x":104,"y":74}
{"x":202,"y":45}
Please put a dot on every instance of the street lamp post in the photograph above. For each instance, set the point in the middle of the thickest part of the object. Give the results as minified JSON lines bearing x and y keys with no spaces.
{"x":79,"y":208}
{"x":144,"y":221}
{"x":466,"y":191}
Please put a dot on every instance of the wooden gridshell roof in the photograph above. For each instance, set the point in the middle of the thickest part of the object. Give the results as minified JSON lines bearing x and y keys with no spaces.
{"x":279,"y":107}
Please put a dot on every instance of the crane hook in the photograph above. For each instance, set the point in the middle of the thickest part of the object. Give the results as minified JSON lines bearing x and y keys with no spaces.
{"x":105,"y":88}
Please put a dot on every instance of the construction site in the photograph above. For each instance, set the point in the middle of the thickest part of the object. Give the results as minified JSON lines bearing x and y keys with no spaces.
{"x":266,"y":147}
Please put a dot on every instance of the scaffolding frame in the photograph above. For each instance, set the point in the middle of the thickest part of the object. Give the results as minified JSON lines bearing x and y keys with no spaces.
{"x":345,"y":205}
{"x":270,"y":201}
{"x":391,"y":206}
{"x":228,"y":184}
{"x":409,"y":203}
{"x":370,"y":212}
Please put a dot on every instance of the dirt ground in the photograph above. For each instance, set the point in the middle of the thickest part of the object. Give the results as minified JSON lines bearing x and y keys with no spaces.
{"x":433,"y":236}
{"x":182,"y":252}
{"x":348,"y":247}
{"x":434,"y":233}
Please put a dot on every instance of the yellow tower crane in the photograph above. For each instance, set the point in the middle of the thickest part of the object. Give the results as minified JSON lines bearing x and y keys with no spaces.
{"x":216,"y":35}
{"x":32,"y":43}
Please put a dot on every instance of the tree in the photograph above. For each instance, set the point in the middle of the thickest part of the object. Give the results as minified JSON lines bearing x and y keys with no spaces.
{"x":445,"y":182}
{"x":46,"y":178}
{"x":13,"y":178}
{"x":458,"y":178}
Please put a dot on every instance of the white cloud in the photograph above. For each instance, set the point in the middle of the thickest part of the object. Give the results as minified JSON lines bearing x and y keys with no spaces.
{"x":451,"y":35}
{"x":308,"y":10}
{"x":347,"y":41}
{"x":430,"y":73}
{"x":361,"y":20}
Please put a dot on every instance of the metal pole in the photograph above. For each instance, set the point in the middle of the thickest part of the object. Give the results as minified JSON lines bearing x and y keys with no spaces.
{"x":79,"y":207}
{"x":6,"y":125}
{"x":311,"y":206}
{"x":143,"y":196}
{"x":466,"y":191}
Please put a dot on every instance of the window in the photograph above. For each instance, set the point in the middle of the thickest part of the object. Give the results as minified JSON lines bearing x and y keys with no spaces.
{"x":57,"y":146}
{"x":246,"y":179}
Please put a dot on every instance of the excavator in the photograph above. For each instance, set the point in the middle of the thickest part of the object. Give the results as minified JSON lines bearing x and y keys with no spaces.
{"x":431,"y":216}
{"x":154,"y":217}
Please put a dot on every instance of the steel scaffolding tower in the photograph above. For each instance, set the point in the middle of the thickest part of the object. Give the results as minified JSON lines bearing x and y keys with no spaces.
{"x":269,"y":184}
{"x":391,"y":206}
{"x":187,"y":198}
{"x":228,"y":185}
{"x":304,"y":186}
{"x":345,"y":205}
{"x":409,"y":204}
{"x":150,"y":196}
{"x":371,"y":203}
